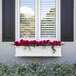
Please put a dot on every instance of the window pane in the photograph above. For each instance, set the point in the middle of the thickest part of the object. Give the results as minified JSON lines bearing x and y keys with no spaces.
{"x":27,"y":19}
{"x":48,"y":18}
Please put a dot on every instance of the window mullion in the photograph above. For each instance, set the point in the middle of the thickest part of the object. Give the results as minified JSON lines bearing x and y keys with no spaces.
{"x":38,"y":19}
{"x":36,"y":22}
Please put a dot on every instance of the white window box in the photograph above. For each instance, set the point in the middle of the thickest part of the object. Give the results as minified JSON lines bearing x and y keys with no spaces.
{"x":38,"y":51}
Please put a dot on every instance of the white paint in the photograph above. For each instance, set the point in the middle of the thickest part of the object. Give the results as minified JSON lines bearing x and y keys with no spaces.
{"x":39,"y":51}
{"x":58,"y":20}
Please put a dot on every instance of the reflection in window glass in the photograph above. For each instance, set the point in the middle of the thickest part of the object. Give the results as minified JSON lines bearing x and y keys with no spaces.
{"x":48,"y":18}
{"x":27,"y":19}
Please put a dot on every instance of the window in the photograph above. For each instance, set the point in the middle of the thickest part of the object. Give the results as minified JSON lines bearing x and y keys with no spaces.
{"x":38,"y":19}
{"x":27,"y":18}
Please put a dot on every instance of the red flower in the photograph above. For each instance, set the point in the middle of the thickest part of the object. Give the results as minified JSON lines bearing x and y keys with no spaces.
{"x":40,"y":42}
{"x":47,"y":41}
{"x":44,"y":42}
{"x":50,"y":42}
{"x":34,"y":41}
{"x":55,"y":42}
{"x":59,"y":43}
{"x":37,"y":42}
{"x":17,"y":43}
{"x":22,"y":42}
{"x":27,"y":42}
{"x":31,"y":42}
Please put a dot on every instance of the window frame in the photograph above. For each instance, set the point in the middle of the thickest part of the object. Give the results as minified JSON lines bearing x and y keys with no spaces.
{"x":37,"y":22}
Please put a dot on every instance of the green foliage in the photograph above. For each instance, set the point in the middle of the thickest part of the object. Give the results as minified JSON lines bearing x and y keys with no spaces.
{"x":37,"y":69}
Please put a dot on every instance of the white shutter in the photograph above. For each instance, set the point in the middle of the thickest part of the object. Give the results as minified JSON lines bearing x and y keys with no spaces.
{"x":48,"y":18}
{"x":27,"y":19}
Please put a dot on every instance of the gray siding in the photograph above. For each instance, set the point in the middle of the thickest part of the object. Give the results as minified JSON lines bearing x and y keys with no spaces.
{"x":7,"y":51}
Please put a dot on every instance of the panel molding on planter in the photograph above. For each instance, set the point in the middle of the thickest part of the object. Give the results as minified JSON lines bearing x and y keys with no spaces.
{"x":38,"y":51}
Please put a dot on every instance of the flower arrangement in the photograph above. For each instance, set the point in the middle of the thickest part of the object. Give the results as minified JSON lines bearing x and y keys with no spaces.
{"x":35,"y":43}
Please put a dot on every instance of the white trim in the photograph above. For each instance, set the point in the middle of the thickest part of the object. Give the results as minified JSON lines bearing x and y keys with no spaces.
{"x":36,"y":18}
{"x":1,"y":20}
{"x":17,"y":20}
{"x":58,"y":19}
{"x":37,"y":22}
{"x":16,"y":25}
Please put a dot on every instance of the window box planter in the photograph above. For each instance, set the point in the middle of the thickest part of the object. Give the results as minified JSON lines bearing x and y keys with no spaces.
{"x":45,"y":48}
{"x":37,"y":51}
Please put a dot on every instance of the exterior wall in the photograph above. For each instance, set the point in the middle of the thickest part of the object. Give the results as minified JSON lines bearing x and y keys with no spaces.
{"x":7,"y":51}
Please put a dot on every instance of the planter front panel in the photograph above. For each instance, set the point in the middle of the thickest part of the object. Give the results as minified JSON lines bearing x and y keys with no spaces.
{"x":39,"y":51}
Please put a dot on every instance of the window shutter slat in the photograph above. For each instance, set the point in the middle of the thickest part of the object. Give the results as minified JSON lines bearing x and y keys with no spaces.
{"x":48,"y":18}
{"x":8,"y":20}
{"x":66,"y":20}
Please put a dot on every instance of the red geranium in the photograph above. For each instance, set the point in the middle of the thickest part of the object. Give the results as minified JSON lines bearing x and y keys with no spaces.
{"x":37,"y":42}
{"x":44,"y":42}
{"x":59,"y":43}
{"x":34,"y":41}
{"x":31,"y":42}
{"x":40,"y":42}
{"x":47,"y":41}
{"x":55,"y":42}
{"x":50,"y":42}
{"x":26,"y":42}
{"x":22,"y":42}
{"x":17,"y":43}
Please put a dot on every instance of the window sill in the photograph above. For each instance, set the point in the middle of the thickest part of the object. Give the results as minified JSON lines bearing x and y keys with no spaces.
{"x":39,"y":51}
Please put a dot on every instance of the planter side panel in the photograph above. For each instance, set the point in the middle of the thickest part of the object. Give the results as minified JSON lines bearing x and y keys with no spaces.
{"x":37,"y":52}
